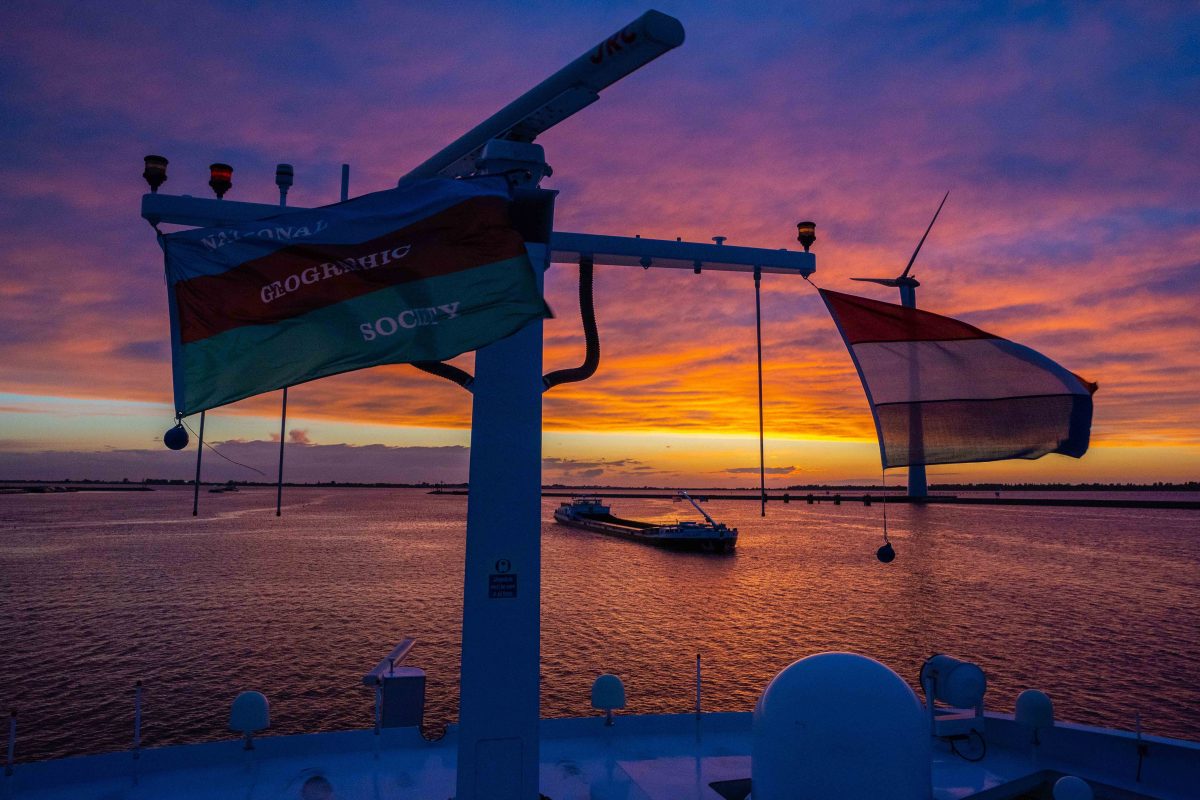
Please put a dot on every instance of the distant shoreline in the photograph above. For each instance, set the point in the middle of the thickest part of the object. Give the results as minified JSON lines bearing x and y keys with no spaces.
{"x":941,"y":494}
{"x":151,"y":483}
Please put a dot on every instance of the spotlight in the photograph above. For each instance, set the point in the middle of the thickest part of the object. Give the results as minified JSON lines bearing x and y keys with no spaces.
{"x":156,"y":172}
{"x":806,"y":233}
{"x":220,"y":178}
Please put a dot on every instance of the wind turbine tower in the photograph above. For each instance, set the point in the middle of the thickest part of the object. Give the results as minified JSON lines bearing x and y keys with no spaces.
{"x":907,"y":284}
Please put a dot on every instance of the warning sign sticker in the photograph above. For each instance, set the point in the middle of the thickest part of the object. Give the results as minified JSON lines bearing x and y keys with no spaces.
{"x":502,"y":585}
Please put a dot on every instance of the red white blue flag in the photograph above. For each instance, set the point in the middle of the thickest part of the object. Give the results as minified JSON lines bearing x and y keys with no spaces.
{"x":945,"y":392}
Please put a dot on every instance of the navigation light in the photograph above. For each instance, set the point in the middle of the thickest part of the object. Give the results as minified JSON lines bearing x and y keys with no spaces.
{"x":156,"y":172}
{"x":806,"y":233}
{"x":220,"y":178}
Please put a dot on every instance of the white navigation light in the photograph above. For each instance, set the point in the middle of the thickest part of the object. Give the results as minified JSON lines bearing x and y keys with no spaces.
{"x":608,"y":693}
{"x":1034,"y":709}
{"x":249,"y":714}
{"x":155,"y":172}
{"x":1068,"y":787}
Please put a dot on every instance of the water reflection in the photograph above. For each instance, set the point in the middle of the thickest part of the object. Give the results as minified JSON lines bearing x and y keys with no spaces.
{"x":97,"y":591}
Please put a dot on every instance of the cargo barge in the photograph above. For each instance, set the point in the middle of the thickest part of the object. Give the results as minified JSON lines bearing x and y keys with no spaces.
{"x":591,"y":514}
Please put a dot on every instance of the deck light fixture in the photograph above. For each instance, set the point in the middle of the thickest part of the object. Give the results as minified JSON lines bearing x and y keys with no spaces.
{"x":156,"y":172}
{"x":806,"y":233}
{"x":220,"y":178}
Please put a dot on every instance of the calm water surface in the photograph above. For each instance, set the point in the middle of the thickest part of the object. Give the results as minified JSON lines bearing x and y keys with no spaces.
{"x":1100,"y":608}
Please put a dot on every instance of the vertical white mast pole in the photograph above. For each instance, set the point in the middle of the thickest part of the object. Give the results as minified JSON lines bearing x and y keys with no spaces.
{"x":501,"y":663}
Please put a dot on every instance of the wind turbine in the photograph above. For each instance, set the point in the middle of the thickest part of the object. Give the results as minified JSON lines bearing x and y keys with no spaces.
{"x":907,"y":284}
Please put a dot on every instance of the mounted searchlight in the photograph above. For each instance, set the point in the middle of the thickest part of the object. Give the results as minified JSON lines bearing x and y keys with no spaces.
{"x":955,"y":682}
{"x":220,"y":178}
{"x":156,"y":172}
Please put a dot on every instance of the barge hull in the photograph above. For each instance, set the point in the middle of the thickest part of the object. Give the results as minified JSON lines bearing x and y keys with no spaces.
{"x":682,"y":544}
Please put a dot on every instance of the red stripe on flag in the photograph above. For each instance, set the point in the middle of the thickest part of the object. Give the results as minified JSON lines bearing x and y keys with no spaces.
{"x":864,"y":320}
{"x":302,"y":278}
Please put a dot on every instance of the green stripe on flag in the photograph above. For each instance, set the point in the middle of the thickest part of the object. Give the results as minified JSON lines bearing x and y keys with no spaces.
{"x":430,"y":320}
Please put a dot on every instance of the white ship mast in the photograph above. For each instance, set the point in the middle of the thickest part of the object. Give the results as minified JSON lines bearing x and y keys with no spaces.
{"x":498,"y":748}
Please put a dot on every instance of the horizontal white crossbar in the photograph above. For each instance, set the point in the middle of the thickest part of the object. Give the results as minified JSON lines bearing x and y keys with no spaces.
{"x":628,"y":251}
{"x":565,"y":247}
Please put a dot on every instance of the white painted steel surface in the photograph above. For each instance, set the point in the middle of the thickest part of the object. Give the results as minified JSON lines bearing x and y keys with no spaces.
{"x":638,"y":758}
{"x":498,"y":710}
{"x":632,"y":251}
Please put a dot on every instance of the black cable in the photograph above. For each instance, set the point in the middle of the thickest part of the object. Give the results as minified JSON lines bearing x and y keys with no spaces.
{"x":982,"y":746}
{"x":591,"y":334}
{"x":447,"y":371}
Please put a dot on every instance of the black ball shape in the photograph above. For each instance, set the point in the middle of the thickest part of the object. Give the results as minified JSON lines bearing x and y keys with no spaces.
{"x":176,"y":438}
{"x":886,"y":554}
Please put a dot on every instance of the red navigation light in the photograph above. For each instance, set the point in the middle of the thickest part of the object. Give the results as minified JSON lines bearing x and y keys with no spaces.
{"x":156,"y":172}
{"x":806,"y":233}
{"x":220,"y":178}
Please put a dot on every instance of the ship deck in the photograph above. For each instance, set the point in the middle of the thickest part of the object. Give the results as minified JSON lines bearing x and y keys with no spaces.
{"x":626,"y":523}
{"x":671,"y":757}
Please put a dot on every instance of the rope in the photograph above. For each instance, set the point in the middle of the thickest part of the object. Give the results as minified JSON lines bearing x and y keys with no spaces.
{"x":883,"y":479}
{"x":200,"y":437}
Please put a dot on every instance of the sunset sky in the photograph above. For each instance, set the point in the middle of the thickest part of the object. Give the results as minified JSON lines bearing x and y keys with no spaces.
{"x":1068,"y":136}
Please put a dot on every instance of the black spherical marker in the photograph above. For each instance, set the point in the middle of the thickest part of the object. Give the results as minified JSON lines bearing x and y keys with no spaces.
{"x":176,"y":438}
{"x":886,"y":554}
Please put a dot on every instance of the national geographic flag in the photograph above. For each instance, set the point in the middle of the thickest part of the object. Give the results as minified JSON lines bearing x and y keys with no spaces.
{"x":419,"y":273}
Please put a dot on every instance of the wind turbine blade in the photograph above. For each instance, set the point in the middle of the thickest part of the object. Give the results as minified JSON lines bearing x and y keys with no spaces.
{"x":927,"y":230}
{"x":880,"y":281}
